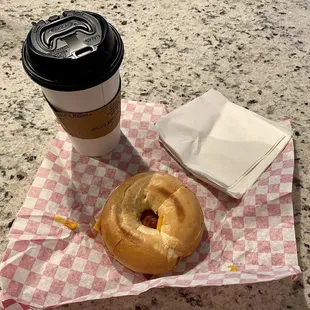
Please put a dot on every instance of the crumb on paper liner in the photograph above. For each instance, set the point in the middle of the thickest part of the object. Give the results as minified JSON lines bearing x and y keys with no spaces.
{"x":48,"y":264}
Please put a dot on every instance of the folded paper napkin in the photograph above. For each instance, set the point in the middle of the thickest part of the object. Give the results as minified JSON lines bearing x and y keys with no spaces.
{"x":222,"y":143}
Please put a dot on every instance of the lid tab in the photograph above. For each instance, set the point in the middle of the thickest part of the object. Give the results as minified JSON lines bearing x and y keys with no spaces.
{"x":71,"y":30}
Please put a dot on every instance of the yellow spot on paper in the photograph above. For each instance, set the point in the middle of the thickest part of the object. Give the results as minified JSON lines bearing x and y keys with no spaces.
{"x":71,"y":225}
{"x":159,"y":222}
{"x":233,"y":268}
{"x":97,"y":226}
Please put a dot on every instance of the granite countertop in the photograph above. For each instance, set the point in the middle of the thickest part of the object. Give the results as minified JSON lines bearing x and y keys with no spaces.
{"x":254,"y":52}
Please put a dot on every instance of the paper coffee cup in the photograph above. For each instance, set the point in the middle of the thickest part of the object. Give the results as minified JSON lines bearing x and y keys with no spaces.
{"x":75,"y":58}
{"x":96,"y":98}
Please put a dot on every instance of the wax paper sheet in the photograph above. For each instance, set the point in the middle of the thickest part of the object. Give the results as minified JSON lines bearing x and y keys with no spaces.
{"x":50,"y":262}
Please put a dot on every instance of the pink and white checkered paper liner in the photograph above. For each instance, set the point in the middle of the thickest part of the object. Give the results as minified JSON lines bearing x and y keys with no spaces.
{"x":46,"y":264}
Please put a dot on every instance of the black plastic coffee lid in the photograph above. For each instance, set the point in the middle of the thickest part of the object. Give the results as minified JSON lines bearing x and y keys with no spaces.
{"x":72,"y":51}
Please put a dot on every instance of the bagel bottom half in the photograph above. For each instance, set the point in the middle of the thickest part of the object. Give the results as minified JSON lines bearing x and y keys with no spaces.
{"x":150,"y":222}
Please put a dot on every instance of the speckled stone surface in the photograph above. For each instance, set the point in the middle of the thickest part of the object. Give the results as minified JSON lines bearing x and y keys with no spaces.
{"x":255,"y":52}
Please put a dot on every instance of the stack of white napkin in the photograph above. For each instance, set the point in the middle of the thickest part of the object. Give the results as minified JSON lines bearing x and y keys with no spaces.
{"x":222,"y":143}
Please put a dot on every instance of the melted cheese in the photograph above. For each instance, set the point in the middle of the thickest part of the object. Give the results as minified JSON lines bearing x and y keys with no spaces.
{"x":70,"y":224}
{"x":159,"y":222}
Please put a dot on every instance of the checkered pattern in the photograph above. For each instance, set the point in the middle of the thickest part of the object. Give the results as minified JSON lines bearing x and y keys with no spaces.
{"x":46,"y":264}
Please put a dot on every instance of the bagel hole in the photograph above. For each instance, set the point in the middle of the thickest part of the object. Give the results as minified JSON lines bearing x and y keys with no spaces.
{"x":149,"y":218}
